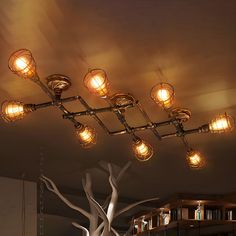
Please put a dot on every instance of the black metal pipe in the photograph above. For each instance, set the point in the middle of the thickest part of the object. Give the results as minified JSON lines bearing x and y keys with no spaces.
{"x":53,"y":103}
{"x":169,"y":135}
{"x":163,"y":123}
{"x":185,"y":142}
{"x":122,"y":119}
{"x":93,"y":111}
{"x":191,"y":131}
{"x":56,"y":101}
{"x":148,"y":120}
{"x":44,"y":88}
{"x":97,"y":119}
{"x":141,"y":128}
{"x":186,"y":132}
{"x":201,"y":129}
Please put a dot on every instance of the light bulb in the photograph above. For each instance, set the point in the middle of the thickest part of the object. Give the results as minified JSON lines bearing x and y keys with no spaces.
{"x":86,"y":136}
{"x":142,"y":150}
{"x":195,"y":160}
{"x":163,"y":94}
{"x":96,"y":82}
{"x":12,"y":111}
{"x":22,"y":63}
{"x":222,"y":123}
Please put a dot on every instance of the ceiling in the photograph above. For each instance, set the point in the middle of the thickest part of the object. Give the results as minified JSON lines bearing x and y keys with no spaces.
{"x":193,"y":42}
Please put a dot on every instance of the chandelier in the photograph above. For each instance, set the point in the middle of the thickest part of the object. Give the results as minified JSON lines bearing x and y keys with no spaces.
{"x":96,"y":81}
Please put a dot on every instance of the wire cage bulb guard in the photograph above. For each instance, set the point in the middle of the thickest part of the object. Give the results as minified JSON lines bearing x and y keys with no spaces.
{"x":97,"y":83}
{"x":23,"y":64}
{"x":195,"y":160}
{"x":86,"y":136}
{"x":142,"y":150}
{"x":221,"y":124}
{"x":12,"y":111}
{"x":163,"y":95}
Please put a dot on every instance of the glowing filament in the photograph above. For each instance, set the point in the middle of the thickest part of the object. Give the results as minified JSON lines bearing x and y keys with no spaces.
{"x":221,"y":123}
{"x":195,"y":160}
{"x":142,"y":150}
{"x":86,"y":136}
{"x":12,"y":111}
{"x":22,"y":64}
{"x":163,"y":95}
{"x":96,"y":82}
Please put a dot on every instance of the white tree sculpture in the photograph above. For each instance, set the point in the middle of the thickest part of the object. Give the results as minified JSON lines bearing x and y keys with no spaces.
{"x":107,"y":212}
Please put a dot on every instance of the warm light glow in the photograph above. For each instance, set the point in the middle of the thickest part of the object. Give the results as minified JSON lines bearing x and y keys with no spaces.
{"x":143,"y":151}
{"x":96,"y":82}
{"x":86,"y":136}
{"x":163,"y":94}
{"x":12,"y":111}
{"x":221,"y":123}
{"x":195,"y":160}
{"x":22,"y":63}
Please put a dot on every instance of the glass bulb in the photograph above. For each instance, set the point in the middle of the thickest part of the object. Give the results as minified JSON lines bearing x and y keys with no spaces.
{"x":143,"y":151}
{"x":222,"y":123}
{"x":96,"y":82}
{"x":163,"y":95}
{"x":195,"y":160}
{"x":22,"y":63}
{"x":86,"y":136}
{"x":12,"y":111}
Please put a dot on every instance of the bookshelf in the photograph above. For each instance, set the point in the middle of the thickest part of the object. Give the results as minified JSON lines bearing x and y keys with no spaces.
{"x":189,"y":211}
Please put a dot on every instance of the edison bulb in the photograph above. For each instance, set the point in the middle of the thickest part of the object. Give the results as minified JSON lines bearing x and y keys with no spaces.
{"x":12,"y":111}
{"x":86,"y":136}
{"x":195,"y":160}
{"x":96,"y":82}
{"x":22,"y":63}
{"x":142,"y":150}
{"x":222,"y":123}
{"x":163,"y":95}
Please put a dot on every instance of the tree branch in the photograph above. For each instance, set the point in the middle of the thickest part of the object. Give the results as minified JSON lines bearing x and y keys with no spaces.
{"x":134,"y":205}
{"x":99,"y":209}
{"x":114,"y":195}
{"x":81,"y":227}
{"x":115,"y":232}
{"x":119,"y":177}
{"x":94,"y":213}
{"x":53,"y":188}
{"x":123,"y":170}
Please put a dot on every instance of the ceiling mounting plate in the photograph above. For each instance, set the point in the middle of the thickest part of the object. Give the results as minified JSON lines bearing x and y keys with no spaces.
{"x":57,"y":82}
{"x":122,"y":99}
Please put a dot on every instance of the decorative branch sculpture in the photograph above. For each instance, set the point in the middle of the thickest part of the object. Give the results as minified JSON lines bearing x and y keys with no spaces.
{"x":107,"y":213}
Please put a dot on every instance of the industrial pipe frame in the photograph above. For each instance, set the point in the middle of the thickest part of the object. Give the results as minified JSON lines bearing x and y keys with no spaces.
{"x":119,"y":111}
